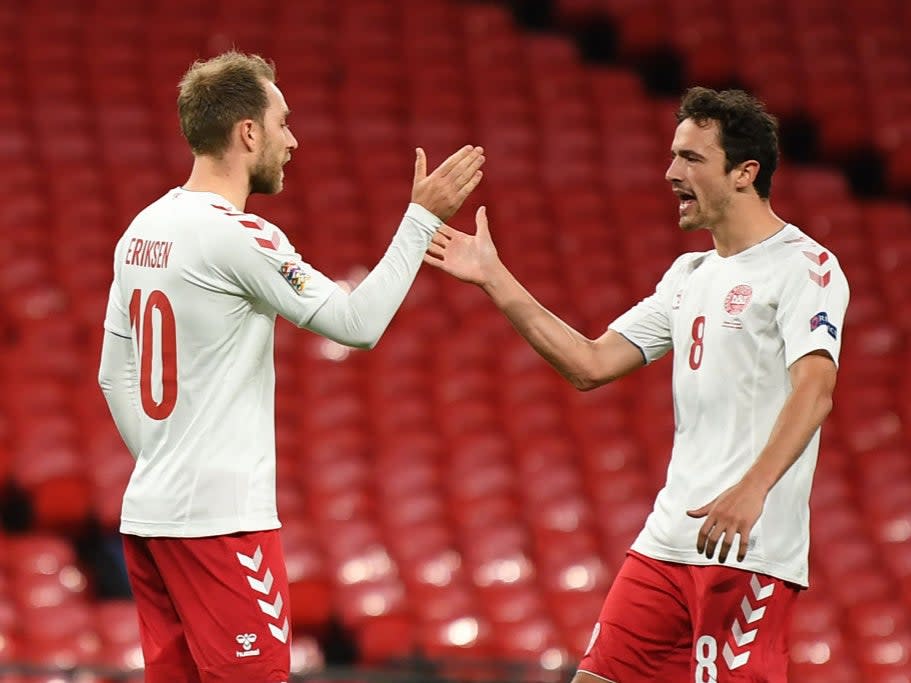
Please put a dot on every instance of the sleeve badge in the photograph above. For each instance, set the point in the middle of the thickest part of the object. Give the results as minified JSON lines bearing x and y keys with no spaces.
{"x":821,"y":319}
{"x":295,"y":275}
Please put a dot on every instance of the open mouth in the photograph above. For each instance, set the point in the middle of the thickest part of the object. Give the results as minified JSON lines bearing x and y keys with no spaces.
{"x":687,"y":200}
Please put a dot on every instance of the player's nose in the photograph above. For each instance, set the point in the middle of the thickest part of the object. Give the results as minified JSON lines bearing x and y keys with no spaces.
{"x":672,"y":173}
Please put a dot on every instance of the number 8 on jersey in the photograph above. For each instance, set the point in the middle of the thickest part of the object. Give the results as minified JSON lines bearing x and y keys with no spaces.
{"x":697,"y":348}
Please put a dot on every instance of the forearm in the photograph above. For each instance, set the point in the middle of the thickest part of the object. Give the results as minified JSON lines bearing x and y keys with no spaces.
{"x":117,"y":378}
{"x":568,"y":351}
{"x":802,"y":414}
{"x":359,"y":319}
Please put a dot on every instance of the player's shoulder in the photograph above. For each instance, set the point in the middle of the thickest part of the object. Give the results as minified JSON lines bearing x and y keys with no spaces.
{"x":796,"y":249}
{"x":180,"y":209}
{"x":151,"y":214}
{"x":148,"y":223}
{"x":217,"y":222}
{"x":793,"y":242}
{"x":689,"y":262}
{"x":795,"y":257}
{"x":242,"y":223}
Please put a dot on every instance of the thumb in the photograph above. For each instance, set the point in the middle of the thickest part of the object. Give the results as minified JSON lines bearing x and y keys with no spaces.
{"x":480,"y":220}
{"x":699,"y":512}
{"x":420,"y":165}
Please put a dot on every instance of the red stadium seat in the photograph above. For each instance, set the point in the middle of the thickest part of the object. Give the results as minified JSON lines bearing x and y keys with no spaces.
{"x":526,"y":640}
{"x":381,"y":639}
{"x":878,"y":620}
{"x":448,"y":493}
{"x":466,"y":635}
{"x":306,"y":654}
{"x":54,"y":623}
{"x":310,"y":592}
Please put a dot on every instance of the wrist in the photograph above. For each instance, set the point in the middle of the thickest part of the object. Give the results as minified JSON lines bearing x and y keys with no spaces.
{"x":425,"y":218}
{"x":759,"y":480}
{"x":494,"y":276}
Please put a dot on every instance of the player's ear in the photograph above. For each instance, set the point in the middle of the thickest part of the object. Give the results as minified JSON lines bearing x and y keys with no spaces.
{"x":745,"y":174}
{"x":248,"y":134}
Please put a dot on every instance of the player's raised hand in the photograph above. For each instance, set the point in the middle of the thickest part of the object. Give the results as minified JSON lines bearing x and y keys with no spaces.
{"x":446,"y":188}
{"x":471,"y":258}
{"x":732,"y":513}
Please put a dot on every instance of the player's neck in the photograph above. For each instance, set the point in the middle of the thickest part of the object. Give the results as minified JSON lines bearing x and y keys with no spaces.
{"x":745,"y":227}
{"x":220,"y":177}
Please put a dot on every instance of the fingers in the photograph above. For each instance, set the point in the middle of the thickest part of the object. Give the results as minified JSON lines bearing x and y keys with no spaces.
{"x":725,"y":547}
{"x":433,"y":261}
{"x":703,"y":538}
{"x":480,"y":220}
{"x":712,"y":540}
{"x":465,"y":170}
{"x":742,"y":547}
{"x":709,"y":539}
{"x":743,"y":541}
{"x":446,"y":188}
{"x":446,"y":167}
{"x":469,"y":187}
{"x":436,"y":252}
{"x":439,"y":242}
{"x":420,"y":165}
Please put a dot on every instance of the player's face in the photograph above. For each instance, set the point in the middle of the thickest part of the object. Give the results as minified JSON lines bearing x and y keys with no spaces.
{"x":697,"y":175}
{"x":267,"y":175}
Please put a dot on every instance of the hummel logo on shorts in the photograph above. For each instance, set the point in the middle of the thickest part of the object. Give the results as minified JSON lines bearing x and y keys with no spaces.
{"x":246,"y":641}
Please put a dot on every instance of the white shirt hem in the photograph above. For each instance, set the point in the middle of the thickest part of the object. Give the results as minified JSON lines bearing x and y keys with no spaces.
{"x":196,"y":529}
{"x":752,"y":563}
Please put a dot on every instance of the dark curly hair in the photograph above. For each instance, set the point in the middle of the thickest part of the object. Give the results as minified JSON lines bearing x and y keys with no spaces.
{"x":747,"y":130}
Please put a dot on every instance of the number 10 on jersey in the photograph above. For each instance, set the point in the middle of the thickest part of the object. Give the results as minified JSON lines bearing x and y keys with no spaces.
{"x":153,"y":324}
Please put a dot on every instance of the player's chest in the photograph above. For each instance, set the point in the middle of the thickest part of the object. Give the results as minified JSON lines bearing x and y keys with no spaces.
{"x":726,"y":302}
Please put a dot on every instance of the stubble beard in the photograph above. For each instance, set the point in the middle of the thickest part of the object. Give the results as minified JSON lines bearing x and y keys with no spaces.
{"x":708,"y":218}
{"x":266,"y":178}
{"x":689,"y":224}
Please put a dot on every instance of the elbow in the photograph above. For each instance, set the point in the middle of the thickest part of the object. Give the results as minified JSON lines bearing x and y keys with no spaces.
{"x":106,"y":382}
{"x":364,"y":341}
{"x":365,"y":344}
{"x":365,"y":336}
{"x":586,"y":380}
{"x":824,"y":406}
{"x":582,"y":383}
{"x":592,"y":367}
{"x":821,"y":400}
{"x":352,"y":338}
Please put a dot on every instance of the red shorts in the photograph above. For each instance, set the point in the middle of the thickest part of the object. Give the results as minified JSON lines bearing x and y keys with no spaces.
{"x":211,"y":610}
{"x":670,"y":622}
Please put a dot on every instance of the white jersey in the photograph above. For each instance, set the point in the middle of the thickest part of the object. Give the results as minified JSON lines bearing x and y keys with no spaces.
{"x":197,"y":286}
{"x":736,"y":325}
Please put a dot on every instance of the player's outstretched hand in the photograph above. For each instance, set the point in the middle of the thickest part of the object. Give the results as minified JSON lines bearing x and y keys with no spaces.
{"x":472,"y":258}
{"x":446,"y":188}
{"x":732,"y":513}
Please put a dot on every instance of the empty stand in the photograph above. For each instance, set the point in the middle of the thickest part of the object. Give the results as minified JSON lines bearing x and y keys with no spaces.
{"x":448,"y":494}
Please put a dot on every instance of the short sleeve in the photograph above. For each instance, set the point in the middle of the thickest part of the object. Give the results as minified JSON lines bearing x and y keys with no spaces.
{"x":648,"y":323}
{"x":117,"y":316}
{"x":259,"y":260}
{"x":811,"y":310}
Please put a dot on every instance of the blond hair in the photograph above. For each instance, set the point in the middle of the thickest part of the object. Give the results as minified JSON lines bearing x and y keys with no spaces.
{"x":217,"y":93}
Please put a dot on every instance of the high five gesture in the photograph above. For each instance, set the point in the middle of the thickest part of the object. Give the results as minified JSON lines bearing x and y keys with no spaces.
{"x":446,"y":188}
